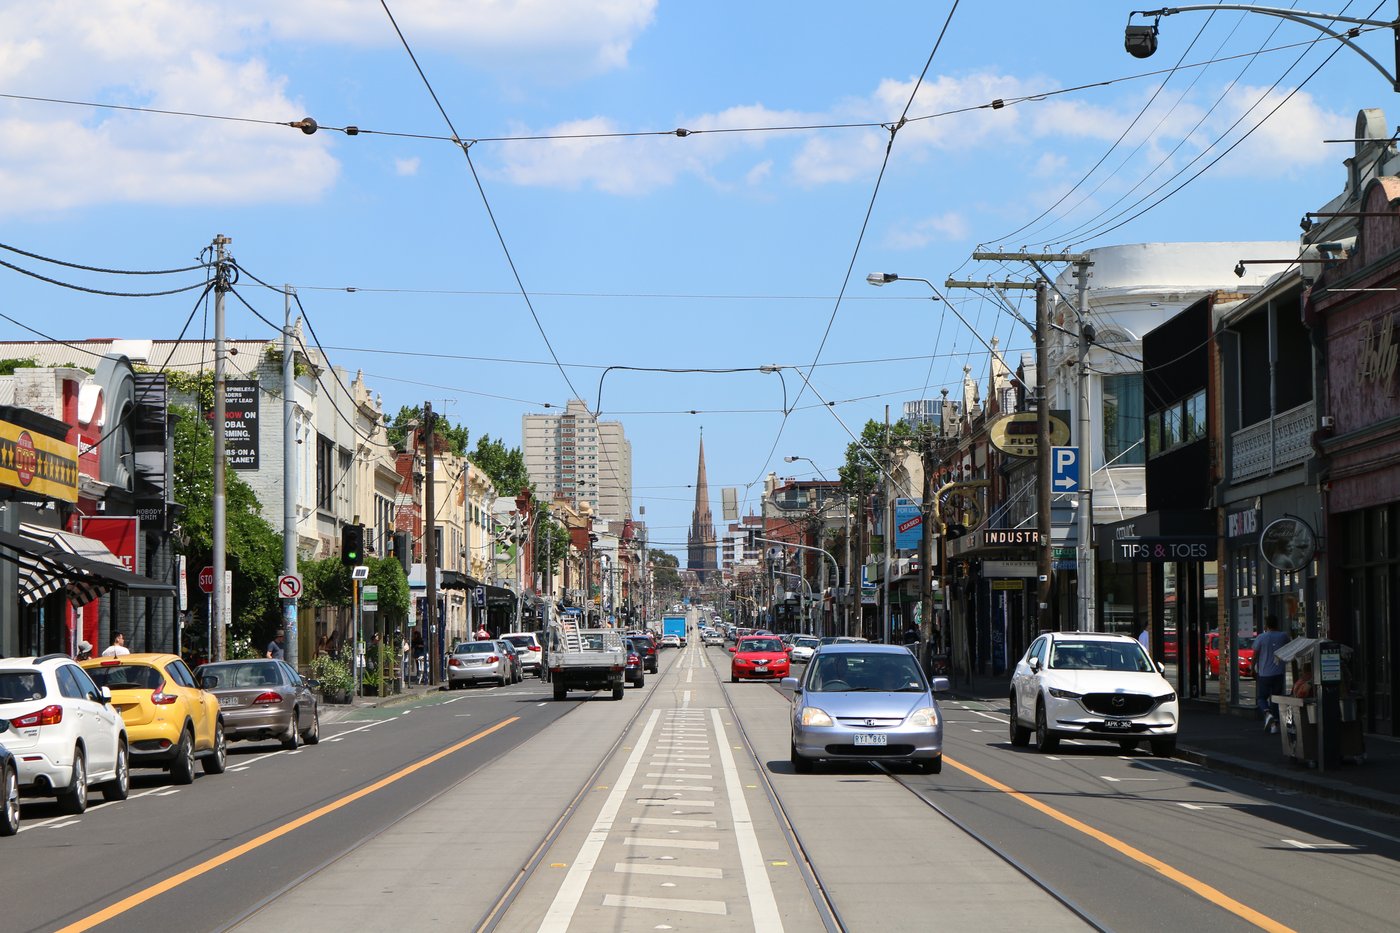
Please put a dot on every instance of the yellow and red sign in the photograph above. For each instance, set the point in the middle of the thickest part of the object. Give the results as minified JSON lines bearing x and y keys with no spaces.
{"x":36,"y":463}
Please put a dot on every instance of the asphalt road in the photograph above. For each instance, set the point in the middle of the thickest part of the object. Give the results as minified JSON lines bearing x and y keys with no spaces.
{"x":1003,"y":839}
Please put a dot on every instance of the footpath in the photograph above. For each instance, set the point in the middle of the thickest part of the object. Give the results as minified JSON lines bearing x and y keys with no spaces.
{"x":1237,"y":744}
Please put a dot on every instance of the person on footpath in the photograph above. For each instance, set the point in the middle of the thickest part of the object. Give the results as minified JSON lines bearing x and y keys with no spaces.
{"x":1268,"y":670}
{"x":84,"y":651}
{"x":118,"y":646}
{"x":1145,"y":639}
{"x":274,"y":647}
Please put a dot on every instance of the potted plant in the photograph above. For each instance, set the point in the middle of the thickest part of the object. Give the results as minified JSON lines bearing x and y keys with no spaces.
{"x":333,"y":674}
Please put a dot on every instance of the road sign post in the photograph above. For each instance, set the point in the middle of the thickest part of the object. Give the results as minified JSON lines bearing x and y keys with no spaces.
{"x":206,"y":580}
{"x":1064,"y":469}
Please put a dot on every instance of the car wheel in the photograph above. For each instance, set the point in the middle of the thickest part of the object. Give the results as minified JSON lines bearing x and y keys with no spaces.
{"x":291,"y":741}
{"x":217,"y":760}
{"x":312,"y":735}
{"x":800,"y":764}
{"x":9,"y":805}
{"x":641,"y":680}
{"x":1020,"y":735}
{"x":182,"y":768}
{"x":1164,"y":748}
{"x":1128,"y":745}
{"x":618,"y":687}
{"x":119,"y":787}
{"x":930,"y":766}
{"x":733,"y":677}
{"x":501,"y":681}
{"x":1044,"y":741}
{"x":559,"y":691}
{"x":73,"y":799}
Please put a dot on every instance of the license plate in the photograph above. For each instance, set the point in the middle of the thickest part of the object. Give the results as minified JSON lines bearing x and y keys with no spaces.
{"x":872,"y":738}
{"x":1117,"y":724}
{"x":228,"y":701}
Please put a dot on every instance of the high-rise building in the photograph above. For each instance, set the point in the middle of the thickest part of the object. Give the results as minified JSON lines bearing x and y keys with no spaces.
{"x":575,"y":457}
{"x":701,"y":539}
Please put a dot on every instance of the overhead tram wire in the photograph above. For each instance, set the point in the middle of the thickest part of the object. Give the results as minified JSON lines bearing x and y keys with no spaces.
{"x":89,"y":268}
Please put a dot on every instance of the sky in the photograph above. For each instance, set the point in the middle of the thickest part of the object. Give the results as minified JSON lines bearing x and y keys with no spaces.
{"x":740,"y":244}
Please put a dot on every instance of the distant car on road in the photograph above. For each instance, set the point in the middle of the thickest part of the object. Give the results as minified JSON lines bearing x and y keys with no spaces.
{"x":647,"y":647}
{"x":517,"y":668}
{"x":636,"y":672}
{"x":670,"y":641}
{"x":759,"y":657}
{"x":527,"y":646}
{"x":1244,"y":654}
{"x":471,"y":661}
{"x":1088,"y":685}
{"x":263,"y":699}
{"x":803,"y":647}
{"x":866,"y":702}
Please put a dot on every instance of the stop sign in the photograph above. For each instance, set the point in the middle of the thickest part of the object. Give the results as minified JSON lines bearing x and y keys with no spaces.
{"x":206,"y":579}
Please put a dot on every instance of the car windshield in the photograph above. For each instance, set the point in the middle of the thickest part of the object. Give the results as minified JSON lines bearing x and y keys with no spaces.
{"x":806,"y":642}
{"x":126,"y":677}
{"x":1100,"y":656}
{"x":244,"y":674}
{"x":850,"y":671}
{"x":21,"y":686}
{"x":476,"y":647}
{"x":592,"y":641}
{"x":1244,"y":642}
{"x":761,"y":644}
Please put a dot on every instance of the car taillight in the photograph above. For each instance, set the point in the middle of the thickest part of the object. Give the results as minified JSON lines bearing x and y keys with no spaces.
{"x":48,"y":716}
{"x":268,"y":699}
{"x":454,"y":662}
{"x":493,"y":659}
{"x":112,"y":663}
{"x":161,"y":698}
{"x":534,"y":647}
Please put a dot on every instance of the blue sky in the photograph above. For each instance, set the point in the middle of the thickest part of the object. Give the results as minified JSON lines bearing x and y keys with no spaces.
{"x":716,"y":250}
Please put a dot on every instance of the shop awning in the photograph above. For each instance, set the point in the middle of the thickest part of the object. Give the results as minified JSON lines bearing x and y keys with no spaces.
{"x":50,"y":560}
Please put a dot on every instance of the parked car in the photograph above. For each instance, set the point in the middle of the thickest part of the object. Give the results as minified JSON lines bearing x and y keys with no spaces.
{"x":263,"y":699}
{"x":63,"y":731}
{"x":1244,"y":654}
{"x":635,"y":673}
{"x":517,"y":668}
{"x":803,"y":647}
{"x":9,"y":789}
{"x":471,"y":661}
{"x":1098,"y":686}
{"x":528,"y":647}
{"x":169,"y":720}
{"x":866,"y":702}
{"x":758,"y":657}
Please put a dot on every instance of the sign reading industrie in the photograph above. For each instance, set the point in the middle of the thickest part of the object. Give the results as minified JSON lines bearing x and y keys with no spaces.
{"x":240,"y":423}
{"x":37,"y":463}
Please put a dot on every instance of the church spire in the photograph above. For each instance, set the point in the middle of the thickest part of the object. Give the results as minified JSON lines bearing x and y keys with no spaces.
{"x":701,"y":540}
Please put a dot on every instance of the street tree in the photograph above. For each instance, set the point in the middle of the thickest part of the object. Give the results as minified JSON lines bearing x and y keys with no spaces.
{"x":505,"y":465}
{"x":455,"y":437}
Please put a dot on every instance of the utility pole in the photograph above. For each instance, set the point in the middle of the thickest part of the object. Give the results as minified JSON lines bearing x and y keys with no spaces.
{"x":1044,"y":561}
{"x":218,"y":609}
{"x":926,"y":452}
{"x":430,"y":619}
{"x":289,"y":473}
{"x":1084,"y":553}
{"x":887,"y":614}
{"x":846,"y":610}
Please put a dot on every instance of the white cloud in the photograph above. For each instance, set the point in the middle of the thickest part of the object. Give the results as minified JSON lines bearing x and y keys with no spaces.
{"x":760,"y":173}
{"x":407,"y":166}
{"x":948,"y":226}
{"x":1049,"y":165}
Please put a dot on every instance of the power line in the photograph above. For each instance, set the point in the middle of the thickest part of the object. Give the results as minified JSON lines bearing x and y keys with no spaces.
{"x":87,"y":268}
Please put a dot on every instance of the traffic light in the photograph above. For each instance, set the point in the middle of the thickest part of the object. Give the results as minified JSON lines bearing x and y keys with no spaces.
{"x":403,"y":550}
{"x":352,"y":545}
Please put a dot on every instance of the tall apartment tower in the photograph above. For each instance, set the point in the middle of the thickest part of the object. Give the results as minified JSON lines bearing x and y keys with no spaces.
{"x":575,"y":457}
{"x":701,"y":540}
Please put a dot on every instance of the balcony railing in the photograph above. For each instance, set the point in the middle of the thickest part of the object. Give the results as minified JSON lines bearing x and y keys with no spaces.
{"x":1276,"y":443}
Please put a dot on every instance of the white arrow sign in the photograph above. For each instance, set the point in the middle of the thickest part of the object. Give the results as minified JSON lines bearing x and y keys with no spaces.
{"x":1064,"y":469}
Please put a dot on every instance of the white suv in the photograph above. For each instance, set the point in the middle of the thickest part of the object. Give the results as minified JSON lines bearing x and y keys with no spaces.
{"x":63,"y":731}
{"x":527,"y":647}
{"x":1089,"y":685}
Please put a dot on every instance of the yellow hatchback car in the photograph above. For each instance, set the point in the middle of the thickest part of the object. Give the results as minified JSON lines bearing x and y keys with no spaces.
{"x":169,"y":720}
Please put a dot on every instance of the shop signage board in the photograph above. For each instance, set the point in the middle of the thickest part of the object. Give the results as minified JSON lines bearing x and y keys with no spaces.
{"x":1163,"y":550}
{"x":1287,"y":543}
{"x":36,"y":463}
{"x":1009,"y":568}
{"x":1018,"y":434}
{"x":122,"y":535}
{"x":240,"y":423}
{"x":908,"y":524}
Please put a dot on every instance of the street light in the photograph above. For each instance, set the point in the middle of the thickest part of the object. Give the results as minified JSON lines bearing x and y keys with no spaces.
{"x":1141,"y":41}
{"x":809,"y":460}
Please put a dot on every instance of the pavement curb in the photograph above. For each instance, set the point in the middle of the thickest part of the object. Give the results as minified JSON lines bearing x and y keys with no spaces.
{"x":1286,"y":779}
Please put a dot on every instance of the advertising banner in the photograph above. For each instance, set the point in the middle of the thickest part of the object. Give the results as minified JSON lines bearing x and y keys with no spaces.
{"x":37,"y":463}
{"x":121,"y":535}
{"x":240,"y":423}
{"x":908,"y":524}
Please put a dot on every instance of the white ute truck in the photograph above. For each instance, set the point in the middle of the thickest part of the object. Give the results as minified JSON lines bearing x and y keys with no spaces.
{"x":585,"y":659}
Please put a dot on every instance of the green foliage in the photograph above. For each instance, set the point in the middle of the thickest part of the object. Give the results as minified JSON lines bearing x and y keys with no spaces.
{"x":667,"y":569}
{"x":253,"y":547}
{"x":455,"y":436}
{"x":860,"y":473}
{"x":551,"y":542}
{"x":9,"y":365}
{"x":387,"y":574}
{"x":273,"y":354}
{"x":332,"y":673}
{"x":505,"y":466}
{"x":197,"y":386}
{"x":325,"y":582}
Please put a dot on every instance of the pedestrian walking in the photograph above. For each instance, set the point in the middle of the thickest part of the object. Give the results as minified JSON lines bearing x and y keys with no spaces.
{"x":1145,"y":639}
{"x":84,"y":650}
{"x":275,"y":648}
{"x":118,"y":646}
{"x":1268,"y":670}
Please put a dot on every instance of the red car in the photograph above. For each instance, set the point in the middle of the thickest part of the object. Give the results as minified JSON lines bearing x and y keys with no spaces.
{"x":759,"y":657}
{"x":1244,"y":651}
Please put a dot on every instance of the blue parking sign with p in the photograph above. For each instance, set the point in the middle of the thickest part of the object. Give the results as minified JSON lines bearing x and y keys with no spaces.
{"x":1064,"y":469}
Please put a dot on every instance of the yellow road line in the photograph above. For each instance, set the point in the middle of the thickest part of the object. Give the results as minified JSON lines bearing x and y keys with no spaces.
{"x":1194,"y":885}
{"x":189,"y":874}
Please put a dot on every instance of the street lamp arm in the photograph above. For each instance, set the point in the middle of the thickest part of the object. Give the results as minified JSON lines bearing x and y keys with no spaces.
{"x":805,"y":547}
{"x":1296,"y":16}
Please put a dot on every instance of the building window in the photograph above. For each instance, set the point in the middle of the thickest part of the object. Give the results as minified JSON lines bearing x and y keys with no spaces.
{"x":325,"y":482}
{"x":1182,"y":422}
{"x":1122,"y":419}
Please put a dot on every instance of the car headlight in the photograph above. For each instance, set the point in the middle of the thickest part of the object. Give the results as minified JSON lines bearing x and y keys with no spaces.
{"x":925,"y":718}
{"x":1059,"y":694}
{"x":1165,"y":698}
{"x":811,"y":716}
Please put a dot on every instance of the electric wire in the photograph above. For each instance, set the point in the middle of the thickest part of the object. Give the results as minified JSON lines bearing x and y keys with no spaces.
{"x":100,"y":291}
{"x":86,"y":268}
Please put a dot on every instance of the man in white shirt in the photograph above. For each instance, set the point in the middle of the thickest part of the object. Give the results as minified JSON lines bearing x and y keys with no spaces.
{"x":118,"y":646}
{"x":1145,"y":639}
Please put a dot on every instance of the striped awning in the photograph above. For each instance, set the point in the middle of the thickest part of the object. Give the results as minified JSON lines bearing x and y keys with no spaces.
{"x":50,"y":560}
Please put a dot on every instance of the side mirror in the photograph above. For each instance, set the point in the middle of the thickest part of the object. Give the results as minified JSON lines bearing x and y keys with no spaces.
{"x":313,"y":683}
{"x":1161,"y":668}
{"x":734,"y":649}
{"x":104,"y":692}
{"x":1033,"y":663}
{"x":208,"y":681}
{"x":790,"y":683}
{"x":941,"y":685}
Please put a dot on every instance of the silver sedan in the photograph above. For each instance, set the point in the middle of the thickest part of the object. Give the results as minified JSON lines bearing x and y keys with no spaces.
{"x":471,"y":661}
{"x":262,"y":699}
{"x":866,"y":702}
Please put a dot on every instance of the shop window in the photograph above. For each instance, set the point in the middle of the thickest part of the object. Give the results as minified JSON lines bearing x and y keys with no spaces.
{"x":1122,"y":419}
